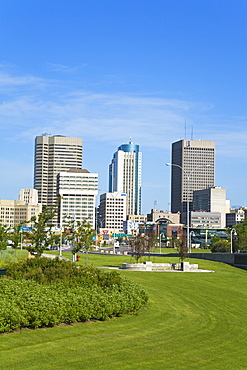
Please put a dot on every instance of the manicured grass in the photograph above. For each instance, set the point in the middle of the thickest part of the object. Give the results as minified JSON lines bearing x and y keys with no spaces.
{"x":193,"y":321}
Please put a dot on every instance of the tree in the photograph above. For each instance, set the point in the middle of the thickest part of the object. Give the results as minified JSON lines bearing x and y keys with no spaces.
{"x":71,"y":232}
{"x":85,"y":234}
{"x":138,"y":246}
{"x":4,"y":236}
{"x":81,"y":236}
{"x":150,"y":240}
{"x":215,"y":239}
{"x":15,"y":235}
{"x":142,"y":243}
{"x":240,"y":241}
{"x":60,"y":239}
{"x":221,"y":246}
{"x":41,"y":237}
{"x":181,"y":244}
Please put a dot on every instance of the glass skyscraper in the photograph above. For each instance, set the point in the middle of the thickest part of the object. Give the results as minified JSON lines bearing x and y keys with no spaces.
{"x":125,"y":173}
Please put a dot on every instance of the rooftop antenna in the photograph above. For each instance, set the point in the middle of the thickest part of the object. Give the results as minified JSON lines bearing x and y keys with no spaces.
{"x":185,"y":129}
{"x":192,"y":132}
{"x":46,"y":134}
{"x":155,"y":204}
{"x":130,"y":142}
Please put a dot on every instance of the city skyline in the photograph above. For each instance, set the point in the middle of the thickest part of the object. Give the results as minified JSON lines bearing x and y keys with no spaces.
{"x":156,"y":71}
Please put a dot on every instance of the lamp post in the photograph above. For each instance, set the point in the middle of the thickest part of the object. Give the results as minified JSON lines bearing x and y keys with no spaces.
{"x":188,"y":209}
{"x":188,"y":206}
{"x":191,"y":233}
{"x":234,"y":232}
{"x":60,"y":241}
{"x":97,"y":216}
{"x":75,"y":238}
{"x":161,"y":235}
{"x":206,"y":239}
{"x":21,"y":238}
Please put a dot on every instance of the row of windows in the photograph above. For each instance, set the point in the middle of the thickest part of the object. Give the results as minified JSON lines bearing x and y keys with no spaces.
{"x":72,"y":197}
{"x":78,"y":179}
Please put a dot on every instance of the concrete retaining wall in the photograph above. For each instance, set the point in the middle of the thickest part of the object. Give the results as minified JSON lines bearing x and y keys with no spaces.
{"x":150,"y":266}
{"x":219,"y":257}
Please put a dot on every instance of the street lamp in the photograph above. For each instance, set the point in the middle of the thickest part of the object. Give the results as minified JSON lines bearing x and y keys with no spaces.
{"x":60,"y":241}
{"x":234,"y":232}
{"x":188,"y":206}
{"x":21,"y":237}
{"x":191,"y":233}
{"x":161,"y":235}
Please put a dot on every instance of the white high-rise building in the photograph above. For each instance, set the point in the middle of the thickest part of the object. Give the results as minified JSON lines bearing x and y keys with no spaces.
{"x":29,"y":196}
{"x":125,"y":173}
{"x":211,"y":200}
{"x":54,"y":154}
{"x":78,"y":190}
{"x":193,"y":168}
{"x":112,"y":211}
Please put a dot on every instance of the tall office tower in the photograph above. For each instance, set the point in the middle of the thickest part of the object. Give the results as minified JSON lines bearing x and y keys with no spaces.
{"x":194,"y":162}
{"x":125,"y":175}
{"x":112,"y":211}
{"x":54,"y":154}
{"x":78,"y":190}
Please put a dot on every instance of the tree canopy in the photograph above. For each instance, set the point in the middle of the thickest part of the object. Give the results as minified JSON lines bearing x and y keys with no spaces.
{"x":41,"y":236}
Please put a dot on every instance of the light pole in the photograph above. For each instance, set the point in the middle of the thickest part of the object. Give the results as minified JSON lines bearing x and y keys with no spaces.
{"x":234,"y":232}
{"x":161,"y":235}
{"x":188,"y":205}
{"x":206,"y":238}
{"x":191,"y":233}
{"x":97,"y":216}
{"x":21,"y":238}
{"x":60,"y":241}
{"x":75,"y":238}
{"x":188,"y":209}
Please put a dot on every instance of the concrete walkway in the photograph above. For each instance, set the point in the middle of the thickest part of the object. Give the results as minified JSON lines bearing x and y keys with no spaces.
{"x":52,"y":256}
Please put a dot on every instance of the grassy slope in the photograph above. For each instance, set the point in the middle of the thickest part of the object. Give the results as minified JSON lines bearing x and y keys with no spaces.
{"x":193,"y":320}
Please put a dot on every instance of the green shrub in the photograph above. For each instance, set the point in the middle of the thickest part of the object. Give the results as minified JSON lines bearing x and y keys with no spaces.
{"x":42,"y":292}
{"x":221,"y":246}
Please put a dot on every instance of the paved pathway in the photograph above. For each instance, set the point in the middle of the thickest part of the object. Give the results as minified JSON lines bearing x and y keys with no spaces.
{"x":47,"y":255}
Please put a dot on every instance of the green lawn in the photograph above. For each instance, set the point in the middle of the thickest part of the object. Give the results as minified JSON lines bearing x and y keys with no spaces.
{"x":193,"y":321}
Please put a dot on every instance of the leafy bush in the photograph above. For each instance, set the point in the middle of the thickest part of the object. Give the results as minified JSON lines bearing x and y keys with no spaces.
{"x":46,"y":271}
{"x":43,"y":292}
{"x":221,"y":246}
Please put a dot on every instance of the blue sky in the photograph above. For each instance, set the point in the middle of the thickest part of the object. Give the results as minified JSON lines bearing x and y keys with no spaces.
{"x":114,"y":69}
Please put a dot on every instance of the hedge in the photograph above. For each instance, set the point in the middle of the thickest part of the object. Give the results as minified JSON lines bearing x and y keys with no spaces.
{"x":47,"y":293}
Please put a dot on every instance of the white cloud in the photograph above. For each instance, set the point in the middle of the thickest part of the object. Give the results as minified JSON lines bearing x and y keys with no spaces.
{"x":106,"y":117}
{"x":6,"y":80}
{"x":63,"y":68}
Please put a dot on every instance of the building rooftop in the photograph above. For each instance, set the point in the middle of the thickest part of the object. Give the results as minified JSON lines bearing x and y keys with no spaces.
{"x":78,"y":170}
